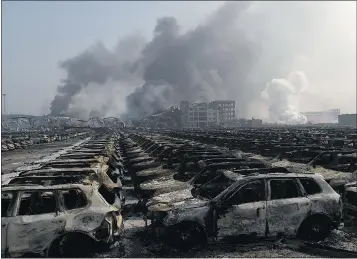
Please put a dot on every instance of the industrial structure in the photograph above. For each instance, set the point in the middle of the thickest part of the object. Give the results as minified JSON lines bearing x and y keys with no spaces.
{"x":199,"y":115}
{"x":329,"y":116}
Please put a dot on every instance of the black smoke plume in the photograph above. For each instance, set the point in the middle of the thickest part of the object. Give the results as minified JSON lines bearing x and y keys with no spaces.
{"x":232,"y":55}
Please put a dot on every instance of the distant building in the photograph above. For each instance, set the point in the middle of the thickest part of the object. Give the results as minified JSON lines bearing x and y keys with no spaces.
{"x":347,"y":120}
{"x":225,"y":109}
{"x":330,"y":116}
{"x":255,"y":122}
{"x":199,"y":115}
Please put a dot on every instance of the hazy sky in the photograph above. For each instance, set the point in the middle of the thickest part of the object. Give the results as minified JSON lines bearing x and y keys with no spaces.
{"x":37,"y":35}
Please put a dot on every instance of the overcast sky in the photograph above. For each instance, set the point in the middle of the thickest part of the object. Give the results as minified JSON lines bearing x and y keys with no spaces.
{"x":36,"y":36}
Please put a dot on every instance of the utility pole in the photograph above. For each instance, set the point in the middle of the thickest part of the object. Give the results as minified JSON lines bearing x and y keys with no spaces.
{"x":3,"y":120}
{"x":3,"y":99}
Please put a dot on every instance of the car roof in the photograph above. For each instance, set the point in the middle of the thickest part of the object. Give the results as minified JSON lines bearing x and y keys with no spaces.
{"x":274,"y":172}
{"x":26,"y":187}
{"x":351,"y":189}
{"x":59,"y":170}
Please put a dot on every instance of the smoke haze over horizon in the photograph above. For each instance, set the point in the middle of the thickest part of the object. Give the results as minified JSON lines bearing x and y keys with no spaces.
{"x":256,"y":53}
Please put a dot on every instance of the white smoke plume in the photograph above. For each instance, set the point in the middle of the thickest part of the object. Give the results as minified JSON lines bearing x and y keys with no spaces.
{"x":282,"y":96}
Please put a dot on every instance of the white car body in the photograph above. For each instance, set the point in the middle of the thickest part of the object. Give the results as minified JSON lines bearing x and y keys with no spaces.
{"x":34,"y":234}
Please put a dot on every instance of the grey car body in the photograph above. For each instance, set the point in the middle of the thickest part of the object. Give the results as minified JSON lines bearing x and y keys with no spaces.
{"x":251,"y":208}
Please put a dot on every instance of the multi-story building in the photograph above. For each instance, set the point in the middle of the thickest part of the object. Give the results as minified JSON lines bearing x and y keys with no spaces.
{"x":347,"y":120}
{"x":226,"y":110}
{"x":198,"y":115}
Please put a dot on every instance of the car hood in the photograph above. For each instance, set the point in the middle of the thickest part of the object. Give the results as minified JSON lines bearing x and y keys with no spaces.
{"x":154,"y":171}
{"x":162,"y":182}
{"x":186,"y":204}
{"x":327,"y":174}
{"x":295,"y":167}
{"x":171,"y":197}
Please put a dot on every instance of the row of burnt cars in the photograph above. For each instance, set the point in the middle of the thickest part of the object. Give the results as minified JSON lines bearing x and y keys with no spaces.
{"x":13,"y":142}
{"x":331,"y":152}
{"x":195,"y":191}
{"x":69,"y":206}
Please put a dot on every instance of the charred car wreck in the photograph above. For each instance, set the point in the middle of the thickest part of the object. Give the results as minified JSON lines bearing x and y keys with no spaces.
{"x":209,"y":194}
{"x":68,"y":207}
{"x":256,"y":205}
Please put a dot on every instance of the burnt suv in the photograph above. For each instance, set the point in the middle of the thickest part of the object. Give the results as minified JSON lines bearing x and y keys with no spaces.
{"x":256,"y":205}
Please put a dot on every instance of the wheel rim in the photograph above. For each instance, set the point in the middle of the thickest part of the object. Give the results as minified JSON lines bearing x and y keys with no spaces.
{"x":316,"y":229}
{"x":186,"y":237}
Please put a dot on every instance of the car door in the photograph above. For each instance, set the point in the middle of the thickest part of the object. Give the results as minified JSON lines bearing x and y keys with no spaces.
{"x":243,"y":214}
{"x":286,"y":207}
{"x":35,"y":224}
{"x":8,"y":200}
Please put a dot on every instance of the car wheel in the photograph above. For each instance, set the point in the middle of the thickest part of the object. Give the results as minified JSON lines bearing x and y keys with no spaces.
{"x":187,"y":236}
{"x":315,"y":229}
{"x":72,"y":246}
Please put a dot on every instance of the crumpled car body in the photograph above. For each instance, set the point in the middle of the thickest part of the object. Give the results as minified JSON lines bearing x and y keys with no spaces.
{"x":27,"y":230}
{"x":235,"y":214}
{"x":350,"y":199}
{"x":160,"y":185}
{"x":168,"y":183}
{"x":4,"y":148}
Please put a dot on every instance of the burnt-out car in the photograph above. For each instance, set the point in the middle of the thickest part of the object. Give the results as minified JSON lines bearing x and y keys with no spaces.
{"x":258,"y":205}
{"x":45,"y":176}
{"x":113,"y":172}
{"x":331,"y":164}
{"x":350,"y":199}
{"x":56,"y":220}
{"x":183,"y":170}
{"x":113,"y":161}
{"x":208,"y":183}
{"x":201,"y":175}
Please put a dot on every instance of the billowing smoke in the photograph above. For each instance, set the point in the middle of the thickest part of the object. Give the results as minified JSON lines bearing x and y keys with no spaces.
{"x":282,"y":96}
{"x":98,"y":80}
{"x":200,"y":65}
{"x":232,"y":55}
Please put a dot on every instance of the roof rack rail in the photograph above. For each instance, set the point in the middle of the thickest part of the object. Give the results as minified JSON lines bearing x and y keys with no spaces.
{"x":270,"y":170}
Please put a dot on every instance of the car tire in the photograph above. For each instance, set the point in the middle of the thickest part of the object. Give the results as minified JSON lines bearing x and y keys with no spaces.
{"x":73,"y":245}
{"x":316,"y":229}
{"x":187,"y":235}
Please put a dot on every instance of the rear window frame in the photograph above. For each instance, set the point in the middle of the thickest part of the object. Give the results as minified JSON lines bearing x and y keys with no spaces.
{"x":303,"y":188}
{"x":61,"y":200}
{"x":297,"y":184}
{"x":103,"y":198}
